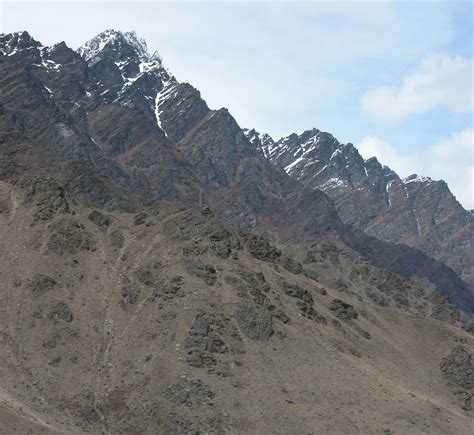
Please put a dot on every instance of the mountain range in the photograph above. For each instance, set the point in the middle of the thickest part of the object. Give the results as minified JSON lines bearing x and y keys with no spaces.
{"x":166,"y":271}
{"x":416,"y":211}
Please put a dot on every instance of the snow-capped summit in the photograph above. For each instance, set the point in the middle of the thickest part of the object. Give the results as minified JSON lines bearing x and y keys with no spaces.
{"x":262,"y":141}
{"x":125,"y":71}
{"x":11,"y":43}
{"x":117,"y":43}
{"x":415,"y":178}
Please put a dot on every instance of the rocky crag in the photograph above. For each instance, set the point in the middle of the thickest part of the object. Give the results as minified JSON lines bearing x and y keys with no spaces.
{"x":416,"y":211}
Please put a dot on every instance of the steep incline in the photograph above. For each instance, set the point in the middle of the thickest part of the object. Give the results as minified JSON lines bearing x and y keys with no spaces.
{"x":175,"y":323}
{"x":416,"y":211}
{"x":121,"y":133}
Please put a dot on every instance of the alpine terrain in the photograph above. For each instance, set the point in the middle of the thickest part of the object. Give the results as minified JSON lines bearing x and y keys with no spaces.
{"x":165,"y":271}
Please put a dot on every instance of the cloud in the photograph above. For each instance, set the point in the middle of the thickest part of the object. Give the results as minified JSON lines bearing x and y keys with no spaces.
{"x":451,"y":159}
{"x":440,"y":81}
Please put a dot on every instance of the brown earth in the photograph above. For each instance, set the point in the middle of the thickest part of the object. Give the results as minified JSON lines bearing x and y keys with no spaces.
{"x":172,"y":323}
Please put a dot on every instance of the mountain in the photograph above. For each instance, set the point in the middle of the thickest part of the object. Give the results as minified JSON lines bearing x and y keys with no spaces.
{"x":416,"y":211}
{"x":162,"y":276}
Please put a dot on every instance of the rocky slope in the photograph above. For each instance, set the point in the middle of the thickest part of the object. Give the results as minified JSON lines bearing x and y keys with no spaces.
{"x":171,"y":322}
{"x":416,"y":211}
{"x":154,"y":258}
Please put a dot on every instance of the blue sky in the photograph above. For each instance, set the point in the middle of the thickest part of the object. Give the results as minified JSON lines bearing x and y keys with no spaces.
{"x":394,"y":78}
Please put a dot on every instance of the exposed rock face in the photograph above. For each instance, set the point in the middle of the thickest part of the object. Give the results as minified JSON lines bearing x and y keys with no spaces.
{"x":254,"y":322}
{"x":121,"y":133}
{"x":343,"y":310}
{"x":458,"y":369}
{"x":416,"y":211}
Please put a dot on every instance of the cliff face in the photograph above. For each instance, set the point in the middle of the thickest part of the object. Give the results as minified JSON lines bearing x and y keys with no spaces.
{"x":416,"y":211}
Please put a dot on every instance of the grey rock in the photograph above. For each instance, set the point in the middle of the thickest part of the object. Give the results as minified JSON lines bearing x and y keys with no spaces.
{"x":204,"y":395}
{"x":61,"y":311}
{"x":68,"y":237}
{"x":148,"y":274}
{"x":202,"y":270}
{"x":54,"y":361}
{"x":255,"y":323}
{"x":177,"y":394}
{"x":201,"y":325}
{"x":130,"y":293}
{"x":260,"y":248}
{"x":199,"y":359}
{"x":42,"y":284}
{"x":117,"y":240}
{"x":194,"y":342}
{"x":291,"y":265}
{"x":3,"y":207}
{"x":458,"y":369}
{"x":100,"y":219}
{"x":140,"y":218}
{"x":343,"y":310}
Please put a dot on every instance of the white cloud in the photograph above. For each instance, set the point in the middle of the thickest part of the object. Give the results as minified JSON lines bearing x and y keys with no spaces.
{"x":439,"y":81}
{"x":451,"y":160}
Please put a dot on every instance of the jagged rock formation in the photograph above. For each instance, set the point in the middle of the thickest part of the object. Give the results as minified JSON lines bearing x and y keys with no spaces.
{"x":154,"y":259}
{"x":121,"y":133}
{"x":416,"y":211}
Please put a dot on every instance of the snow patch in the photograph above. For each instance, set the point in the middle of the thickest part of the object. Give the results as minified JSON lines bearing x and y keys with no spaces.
{"x":165,"y":93}
{"x":333,"y":183}
{"x":291,"y":165}
{"x":92,"y":48}
{"x":418,"y":226}
{"x":335,"y":153}
{"x":387,"y":189}
{"x":417,"y":179}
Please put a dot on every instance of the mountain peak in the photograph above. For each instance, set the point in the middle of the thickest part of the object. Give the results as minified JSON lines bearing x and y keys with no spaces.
{"x":118,"y":44}
{"x":10,"y":43}
{"x":415,"y":178}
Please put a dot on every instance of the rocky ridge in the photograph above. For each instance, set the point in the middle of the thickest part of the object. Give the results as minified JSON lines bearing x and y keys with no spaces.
{"x":416,"y":211}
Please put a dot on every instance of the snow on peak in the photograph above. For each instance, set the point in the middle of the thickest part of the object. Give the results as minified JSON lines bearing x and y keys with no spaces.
{"x":116,"y":40}
{"x":415,"y":178}
{"x":11,"y":43}
{"x":262,"y":141}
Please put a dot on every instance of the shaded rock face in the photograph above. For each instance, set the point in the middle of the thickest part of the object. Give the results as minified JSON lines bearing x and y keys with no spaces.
{"x":304,"y":302}
{"x":100,"y":219}
{"x":458,"y":369}
{"x":69,"y":236}
{"x":197,"y":393}
{"x":47,"y":195}
{"x":61,"y":311}
{"x":42,"y":284}
{"x":417,"y":211}
{"x":343,"y":310}
{"x":202,"y":270}
{"x":255,"y":323}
